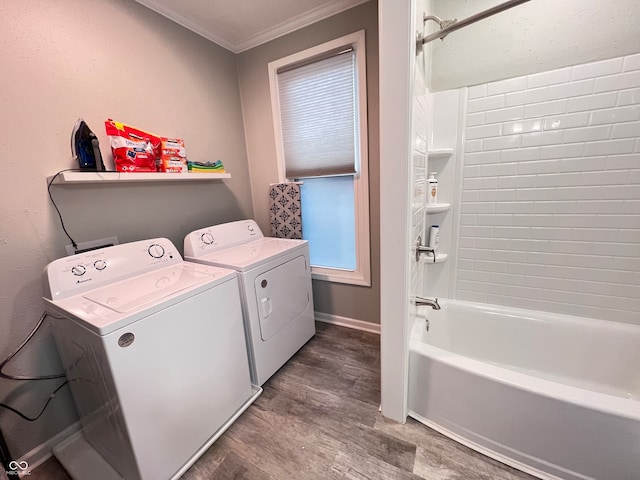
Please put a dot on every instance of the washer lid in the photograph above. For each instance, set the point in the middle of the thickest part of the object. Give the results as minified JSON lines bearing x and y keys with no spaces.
{"x":132,"y":294}
{"x":116,"y":305}
{"x":249,"y":255}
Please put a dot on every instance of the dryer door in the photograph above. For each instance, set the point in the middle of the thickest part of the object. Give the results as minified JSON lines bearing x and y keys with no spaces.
{"x":282,"y":294}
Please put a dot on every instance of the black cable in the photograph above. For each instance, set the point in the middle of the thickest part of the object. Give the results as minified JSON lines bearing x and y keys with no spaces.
{"x":21,"y":377}
{"x":73,"y":242}
{"x":8,"y":359}
{"x":5,"y":454}
{"x":33,"y":419}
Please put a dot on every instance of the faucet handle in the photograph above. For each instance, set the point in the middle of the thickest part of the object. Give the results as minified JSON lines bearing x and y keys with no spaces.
{"x":422,"y":249}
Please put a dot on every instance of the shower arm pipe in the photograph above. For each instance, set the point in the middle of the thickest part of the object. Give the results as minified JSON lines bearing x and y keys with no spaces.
{"x":454,"y":25}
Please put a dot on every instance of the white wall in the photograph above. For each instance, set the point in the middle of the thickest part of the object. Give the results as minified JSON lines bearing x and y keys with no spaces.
{"x":397,"y":62}
{"x":421,"y":126}
{"x":551,"y":194}
{"x":533,"y":37}
{"x":64,"y":59}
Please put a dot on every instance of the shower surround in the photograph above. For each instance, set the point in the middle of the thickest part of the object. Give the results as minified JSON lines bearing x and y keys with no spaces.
{"x":550,"y":192}
{"x":544,"y":182}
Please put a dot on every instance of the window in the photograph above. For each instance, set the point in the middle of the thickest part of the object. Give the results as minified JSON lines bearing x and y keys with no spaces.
{"x":319,"y":110}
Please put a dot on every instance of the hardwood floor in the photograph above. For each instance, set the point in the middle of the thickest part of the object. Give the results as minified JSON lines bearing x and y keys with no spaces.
{"x":318,"y":418}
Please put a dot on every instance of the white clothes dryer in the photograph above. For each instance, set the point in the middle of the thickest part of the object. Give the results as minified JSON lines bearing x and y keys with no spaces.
{"x":155,"y":353}
{"x":275,"y":283}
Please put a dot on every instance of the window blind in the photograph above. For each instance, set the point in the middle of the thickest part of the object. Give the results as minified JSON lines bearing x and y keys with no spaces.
{"x":318,"y":117}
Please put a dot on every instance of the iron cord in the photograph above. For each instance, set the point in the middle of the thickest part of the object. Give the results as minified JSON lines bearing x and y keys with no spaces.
{"x":73,"y":242}
{"x":64,"y":228}
{"x":15,"y":352}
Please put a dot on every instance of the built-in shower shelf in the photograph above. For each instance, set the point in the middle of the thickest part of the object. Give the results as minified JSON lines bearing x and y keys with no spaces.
{"x":438,"y":207}
{"x":440,"y":153}
{"x":440,"y":257}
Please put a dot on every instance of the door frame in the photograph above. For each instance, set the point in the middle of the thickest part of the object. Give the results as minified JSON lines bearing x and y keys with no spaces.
{"x":397,"y":62}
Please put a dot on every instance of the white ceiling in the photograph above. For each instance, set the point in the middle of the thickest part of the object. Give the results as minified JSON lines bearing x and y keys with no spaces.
{"x":239,"y":25}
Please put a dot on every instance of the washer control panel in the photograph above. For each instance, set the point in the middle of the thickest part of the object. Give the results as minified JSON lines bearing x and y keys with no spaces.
{"x":207,"y":240}
{"x":77,"y":273}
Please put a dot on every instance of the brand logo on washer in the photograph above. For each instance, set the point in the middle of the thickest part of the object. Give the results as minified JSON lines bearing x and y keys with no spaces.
{"x":126,"y":339}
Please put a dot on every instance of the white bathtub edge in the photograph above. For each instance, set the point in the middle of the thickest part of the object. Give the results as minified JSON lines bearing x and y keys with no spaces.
{"x":598,"y":401}
{"x":486,"y":451}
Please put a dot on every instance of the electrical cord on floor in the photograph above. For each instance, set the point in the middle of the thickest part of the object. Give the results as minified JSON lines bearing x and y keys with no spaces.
{"x":33,"y":419}
{"x":15,"y":352}
{"x":22,"y":377}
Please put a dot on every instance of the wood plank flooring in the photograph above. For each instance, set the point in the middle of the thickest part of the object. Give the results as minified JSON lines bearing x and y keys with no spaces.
{"x":318,"y":418}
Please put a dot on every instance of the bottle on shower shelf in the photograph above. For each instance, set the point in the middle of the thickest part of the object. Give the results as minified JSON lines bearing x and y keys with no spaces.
{"x":434,"y":239}
{"x":432,"y":189}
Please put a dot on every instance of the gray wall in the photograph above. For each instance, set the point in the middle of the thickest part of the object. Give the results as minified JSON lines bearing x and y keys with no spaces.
{"x":533,"y":37}
{"x":64,"y":59}
{"x":360,"y":303}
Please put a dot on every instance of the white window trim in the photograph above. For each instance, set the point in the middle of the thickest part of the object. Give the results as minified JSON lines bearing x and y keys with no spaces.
{"x":362,"y":274}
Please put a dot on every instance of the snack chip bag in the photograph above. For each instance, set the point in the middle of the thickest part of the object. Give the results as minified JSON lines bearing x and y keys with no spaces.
{"x":133,"y":150}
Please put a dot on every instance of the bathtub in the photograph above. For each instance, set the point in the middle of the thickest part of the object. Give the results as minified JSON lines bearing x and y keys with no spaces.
{"x":553,"y":395}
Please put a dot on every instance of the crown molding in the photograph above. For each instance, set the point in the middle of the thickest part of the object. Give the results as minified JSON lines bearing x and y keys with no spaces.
{"x":296,"y":23}
{"x":312,"y":16}
{"x":187,"y":23}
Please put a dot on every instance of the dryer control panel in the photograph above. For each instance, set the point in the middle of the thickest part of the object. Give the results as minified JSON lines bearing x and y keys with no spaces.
{"x":77,"y":273}
{"x":217,"y":237}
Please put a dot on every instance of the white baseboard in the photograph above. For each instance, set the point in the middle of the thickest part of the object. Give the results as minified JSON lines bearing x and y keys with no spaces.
{"x":43,"y":452}
{"x":348,"y":322}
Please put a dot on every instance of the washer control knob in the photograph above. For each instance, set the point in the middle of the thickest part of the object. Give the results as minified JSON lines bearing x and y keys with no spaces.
{"x":78,"y":270}
{"x":100,"y":264}
{"x":250,"y":228}
{"x":207,"y":238}
{"x":156,"y":251}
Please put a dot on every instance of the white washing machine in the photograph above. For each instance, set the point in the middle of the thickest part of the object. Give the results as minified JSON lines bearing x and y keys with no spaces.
{"x":155,"y":353}
{"x":275,"y":282}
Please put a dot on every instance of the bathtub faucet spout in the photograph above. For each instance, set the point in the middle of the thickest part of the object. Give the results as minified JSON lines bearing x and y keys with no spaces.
{"x":420,"y":301}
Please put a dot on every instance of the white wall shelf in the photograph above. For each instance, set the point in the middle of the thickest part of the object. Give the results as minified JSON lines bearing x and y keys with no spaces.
{"x":440,"y":257}
{"x":437,"y":207}
{"x":440,"y":153}
{"x":71,"y":178}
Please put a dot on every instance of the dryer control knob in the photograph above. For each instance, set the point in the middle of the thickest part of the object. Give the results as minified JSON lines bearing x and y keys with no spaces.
{"x":156,"y":251}
{"x":207,"y":238}
{"x":100,"y":264}
{"x":78,"y":270}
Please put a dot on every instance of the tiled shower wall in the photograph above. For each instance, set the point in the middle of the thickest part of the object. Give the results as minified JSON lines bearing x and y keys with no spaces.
{"x":419,"y":191}
{"x":550,"y":215}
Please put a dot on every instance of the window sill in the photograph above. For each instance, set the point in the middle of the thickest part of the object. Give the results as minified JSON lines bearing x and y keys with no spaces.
{"x":340,"y":276}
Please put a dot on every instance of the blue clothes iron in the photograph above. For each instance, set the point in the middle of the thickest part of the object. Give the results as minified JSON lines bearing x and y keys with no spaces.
{"x":85,"y":147}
